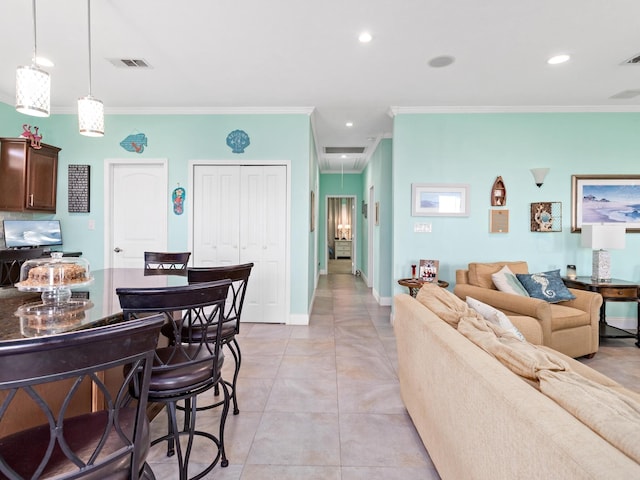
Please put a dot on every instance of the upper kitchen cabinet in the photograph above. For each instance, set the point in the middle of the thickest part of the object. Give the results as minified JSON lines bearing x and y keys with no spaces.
{"x":28,"y":176}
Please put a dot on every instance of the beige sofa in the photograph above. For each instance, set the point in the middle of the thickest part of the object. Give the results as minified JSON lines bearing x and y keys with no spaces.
{"x":478,"y":420}
{"x":570,"y":327}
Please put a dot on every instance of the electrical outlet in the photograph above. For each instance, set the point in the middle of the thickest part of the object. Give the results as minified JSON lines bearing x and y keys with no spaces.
{"x":422,"y":228}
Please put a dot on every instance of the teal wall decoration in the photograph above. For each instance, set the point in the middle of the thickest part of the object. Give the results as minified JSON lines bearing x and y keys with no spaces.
{"x":134,"y":142}
{"x":238,"y":140}
{"x":178,"y":197}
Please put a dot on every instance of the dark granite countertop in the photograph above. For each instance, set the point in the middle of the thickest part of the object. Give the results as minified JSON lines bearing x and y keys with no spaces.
{"x":103,"y":304}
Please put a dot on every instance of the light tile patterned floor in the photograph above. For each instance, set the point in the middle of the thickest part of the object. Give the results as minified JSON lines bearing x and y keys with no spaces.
{"x":321,"y":402}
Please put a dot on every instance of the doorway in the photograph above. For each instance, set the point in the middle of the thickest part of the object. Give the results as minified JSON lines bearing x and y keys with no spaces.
{"x":341,"y":234}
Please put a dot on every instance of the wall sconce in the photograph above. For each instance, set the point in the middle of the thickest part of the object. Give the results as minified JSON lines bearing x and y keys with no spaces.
{"x":33,"y":85}
{"x":600,"y":238}
{"x":539,"y":174}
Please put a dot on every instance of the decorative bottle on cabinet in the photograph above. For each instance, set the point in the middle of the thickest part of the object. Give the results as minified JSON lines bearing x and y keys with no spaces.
{"x":498,"y":193}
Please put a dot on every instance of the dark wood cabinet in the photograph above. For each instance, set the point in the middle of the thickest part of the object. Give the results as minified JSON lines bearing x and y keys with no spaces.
{"x":28,"y":176}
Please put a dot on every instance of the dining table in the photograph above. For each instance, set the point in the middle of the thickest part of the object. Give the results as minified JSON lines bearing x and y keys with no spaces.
{"x":99,"y":299}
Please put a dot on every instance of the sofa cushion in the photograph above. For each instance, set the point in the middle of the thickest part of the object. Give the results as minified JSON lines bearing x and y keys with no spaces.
{"x":546,"y":286}
{"x":568,"y":317}
{"x":480,"y":273}
{"x":506,"y":281}
{"x":494,"y":316}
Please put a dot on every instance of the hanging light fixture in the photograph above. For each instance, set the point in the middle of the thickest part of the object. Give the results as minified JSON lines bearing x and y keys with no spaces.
{"x":90,"y":110}
{"x":33,"y":85}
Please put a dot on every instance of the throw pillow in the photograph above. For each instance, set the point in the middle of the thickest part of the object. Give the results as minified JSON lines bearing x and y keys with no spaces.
{"x":506,"y":281}
{"x":546,"y":286}
{"x":494,"y":316}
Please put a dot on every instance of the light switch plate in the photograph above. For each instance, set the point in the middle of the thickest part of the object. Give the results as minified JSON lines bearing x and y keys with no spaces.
{"x":422,"y":228}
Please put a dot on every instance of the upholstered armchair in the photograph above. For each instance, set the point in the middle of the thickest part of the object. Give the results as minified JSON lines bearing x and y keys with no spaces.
{"x":570,"y":326}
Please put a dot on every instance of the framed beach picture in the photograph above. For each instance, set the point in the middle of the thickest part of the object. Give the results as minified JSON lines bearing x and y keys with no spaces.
{"x":429,"y":270}
{"x":435,"y":199}
{"x":613,"y":199}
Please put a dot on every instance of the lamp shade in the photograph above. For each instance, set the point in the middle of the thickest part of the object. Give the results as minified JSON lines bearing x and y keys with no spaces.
{"x":539,"y":175}
{"x":33,"y":91}
{"x":603,"y":237}
{"x":91,"y":116}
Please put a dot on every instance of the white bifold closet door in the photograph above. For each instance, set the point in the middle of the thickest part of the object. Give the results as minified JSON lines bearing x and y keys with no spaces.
{"x":239,"y":216}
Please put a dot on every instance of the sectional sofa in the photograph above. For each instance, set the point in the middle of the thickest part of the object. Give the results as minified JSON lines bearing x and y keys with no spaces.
{"x":480,"y":420}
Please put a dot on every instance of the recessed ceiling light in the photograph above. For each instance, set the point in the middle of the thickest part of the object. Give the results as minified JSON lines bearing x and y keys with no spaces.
{"x":365,"y":37}
{"x":558,"y":59}
{"x":349,"y":124}
{"x":441,"y":61}
{"x":44,"y":62}
{"x":343,"y":156}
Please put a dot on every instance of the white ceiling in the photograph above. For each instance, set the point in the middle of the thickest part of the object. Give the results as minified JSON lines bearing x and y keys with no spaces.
{"x":304,"y":56}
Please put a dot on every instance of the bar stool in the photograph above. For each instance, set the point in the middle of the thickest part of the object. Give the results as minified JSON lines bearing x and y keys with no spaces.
{"x":188,"y":366}
{"x":239,"y":276}
{"x":12,"y":260}
{"x":110,"y":443}
{"x":157,"y":262}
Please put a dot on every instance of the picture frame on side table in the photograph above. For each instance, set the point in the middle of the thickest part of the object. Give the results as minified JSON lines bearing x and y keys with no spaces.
{"x":608,"y":199}
{"x":428,"y":271}
{"x":439,"y":199}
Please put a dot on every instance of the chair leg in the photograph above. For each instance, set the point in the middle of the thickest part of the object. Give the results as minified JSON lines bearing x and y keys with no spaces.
{"x":237,"y":356}
{"x":223,"y":420}
{"x":170,"y":441}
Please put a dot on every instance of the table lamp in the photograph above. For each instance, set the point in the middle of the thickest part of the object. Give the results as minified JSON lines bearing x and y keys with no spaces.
{"x":601,"y":238}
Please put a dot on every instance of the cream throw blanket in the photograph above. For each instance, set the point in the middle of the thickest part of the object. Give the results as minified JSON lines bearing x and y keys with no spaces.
{"x":609,"y":412}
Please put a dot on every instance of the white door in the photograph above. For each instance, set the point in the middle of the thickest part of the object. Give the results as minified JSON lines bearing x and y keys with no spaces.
{"x":263,"y":209}
{"x":216,"y":210}
{"x":137,"y":203}
{"x":239,"y":216}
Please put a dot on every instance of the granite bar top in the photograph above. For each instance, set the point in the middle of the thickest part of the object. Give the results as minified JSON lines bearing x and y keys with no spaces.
{"x":102,"y":304}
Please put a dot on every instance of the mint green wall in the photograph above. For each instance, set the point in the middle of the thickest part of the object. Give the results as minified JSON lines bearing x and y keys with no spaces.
{"x":378,"y":174}
{"x":475,"y":149}
{"x":179,"y":138}
{"x":338,"y":185}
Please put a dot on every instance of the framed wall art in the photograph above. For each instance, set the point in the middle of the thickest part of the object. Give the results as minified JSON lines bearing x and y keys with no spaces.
{"x":613,"y":199}
{"x":546,"y":217}
{"x":498,"y":221}
{"x":435,"y":199}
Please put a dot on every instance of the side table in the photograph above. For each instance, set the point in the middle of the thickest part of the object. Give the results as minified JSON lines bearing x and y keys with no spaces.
{"x":613,"y":291}
{"x":414,"y":284}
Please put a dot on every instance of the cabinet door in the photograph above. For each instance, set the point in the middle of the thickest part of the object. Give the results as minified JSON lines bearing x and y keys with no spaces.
{"x":42,"y":172}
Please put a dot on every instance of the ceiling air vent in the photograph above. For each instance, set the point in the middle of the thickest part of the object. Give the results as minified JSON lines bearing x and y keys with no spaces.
{"x":130,"y":63}
{"x":345,"y":150}
{"x":626,"y":94}
{"x":632,"y":61}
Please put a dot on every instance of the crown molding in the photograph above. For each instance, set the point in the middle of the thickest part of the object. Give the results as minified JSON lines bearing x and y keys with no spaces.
{"x":393,"y":111}
{"x":195,"y":110}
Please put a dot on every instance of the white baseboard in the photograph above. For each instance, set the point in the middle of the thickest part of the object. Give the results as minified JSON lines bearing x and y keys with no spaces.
{"x":298,"y":319}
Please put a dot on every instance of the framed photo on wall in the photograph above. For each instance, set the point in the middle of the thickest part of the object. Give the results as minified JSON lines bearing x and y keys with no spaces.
{"x":613,"y":199}
{"x":437,"y":199}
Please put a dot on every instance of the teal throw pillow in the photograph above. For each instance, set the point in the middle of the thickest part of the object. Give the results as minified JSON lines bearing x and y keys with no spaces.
{"x":545,"y":286}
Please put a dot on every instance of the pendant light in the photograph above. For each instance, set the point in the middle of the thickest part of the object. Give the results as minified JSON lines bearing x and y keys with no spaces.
{"x":90,"y":110}
{"x":33,"y":85}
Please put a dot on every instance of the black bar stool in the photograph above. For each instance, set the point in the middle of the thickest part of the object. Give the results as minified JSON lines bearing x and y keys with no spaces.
{"x":158,"y":262}
{"x":239,"y":276}
{"x":109,"y":443}
{"x":188,"y":366}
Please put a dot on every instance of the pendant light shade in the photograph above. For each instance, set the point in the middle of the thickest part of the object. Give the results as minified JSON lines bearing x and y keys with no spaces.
{"x":91,"y":116}
{"x":90,"y":109}
{"x":33,"y":85}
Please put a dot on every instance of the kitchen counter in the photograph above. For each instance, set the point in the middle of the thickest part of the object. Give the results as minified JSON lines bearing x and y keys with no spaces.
{"x":104,"y":307}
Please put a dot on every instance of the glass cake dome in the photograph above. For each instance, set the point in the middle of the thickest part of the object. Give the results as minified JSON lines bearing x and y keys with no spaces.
{"x":54,"y":276}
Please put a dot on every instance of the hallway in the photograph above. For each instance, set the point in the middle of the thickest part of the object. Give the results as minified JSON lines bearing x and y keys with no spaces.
{"x":316,"y":402}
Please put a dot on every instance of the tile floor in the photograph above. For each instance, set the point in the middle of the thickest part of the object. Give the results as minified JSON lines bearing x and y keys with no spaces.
{"x":321,"y":402}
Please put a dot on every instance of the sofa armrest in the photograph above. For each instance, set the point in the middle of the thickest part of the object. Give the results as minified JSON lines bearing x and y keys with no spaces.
{"x":507,"y":302}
